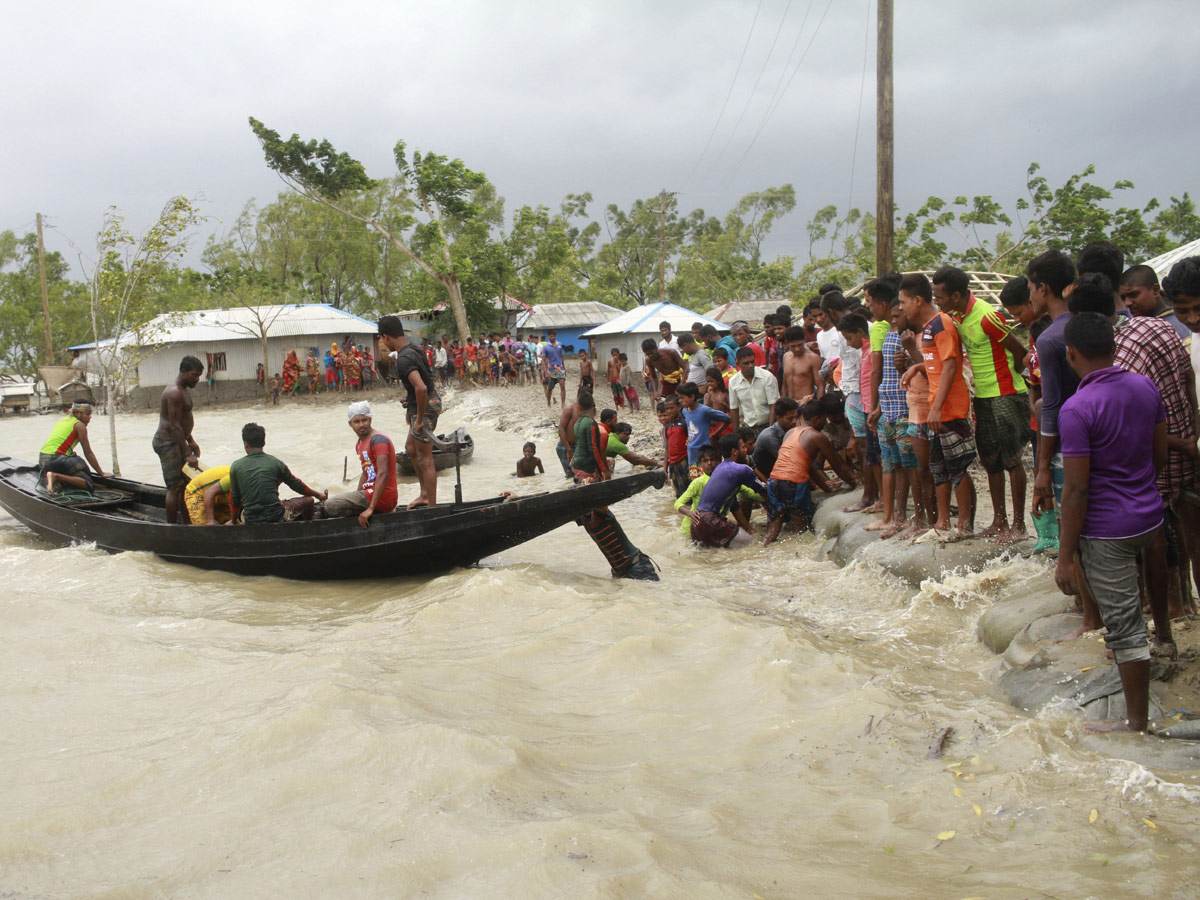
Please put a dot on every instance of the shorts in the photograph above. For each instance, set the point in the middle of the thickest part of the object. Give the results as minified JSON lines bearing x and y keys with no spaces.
{"x":788,"y":499}
{"x":855,"y":415}
{"x":586,"y":383}
{"x":564,"y":458}
{"x":872,"y":448}
{"x":473,"y":368}
{"x":194,"y":501}
{"x":1001,"y":431}
{"x":895,"y":445}
{"x":172,"y":460}
{"x":66,"y":464}
{"x":555,"y":375}
{"x":1057,"y":477}
{"x":713,"y":530}
{"x":951,"y":451}
{"x":1110,"y":570}
{"x":424,"y":434}
{"x":680,"y":479}
{"x":584,"y":477}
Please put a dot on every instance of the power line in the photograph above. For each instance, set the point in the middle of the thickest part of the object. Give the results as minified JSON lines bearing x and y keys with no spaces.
{"x":771,"y":110}
{"x":732,"y":84}
{"x":753,"y":90}
{"x":791,"y":54}
{"x":858,"y":121}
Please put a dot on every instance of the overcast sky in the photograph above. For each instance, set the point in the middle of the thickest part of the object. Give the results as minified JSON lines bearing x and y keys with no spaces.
{"x":128,"y":103}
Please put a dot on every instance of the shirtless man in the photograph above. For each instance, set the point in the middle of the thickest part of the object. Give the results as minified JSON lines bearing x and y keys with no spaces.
{"x":566,"y":435}
{"x":173,"y":440}
{"x":667,"y":363}
{"x":801,"y":367}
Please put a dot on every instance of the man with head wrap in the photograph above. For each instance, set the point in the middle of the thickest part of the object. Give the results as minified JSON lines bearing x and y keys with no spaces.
{"x":58,"y":460}
{"x":377,"y":484}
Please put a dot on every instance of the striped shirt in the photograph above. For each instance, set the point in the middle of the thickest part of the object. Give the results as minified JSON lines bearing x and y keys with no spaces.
{"x":893,"y":403}
{"x":983,"y":332}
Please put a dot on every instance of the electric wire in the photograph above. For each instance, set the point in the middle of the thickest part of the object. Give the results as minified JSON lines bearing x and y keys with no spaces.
{"x":862,"y":86}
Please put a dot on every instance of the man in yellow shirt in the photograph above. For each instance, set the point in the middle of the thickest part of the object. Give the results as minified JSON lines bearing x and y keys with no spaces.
{"x":207,"y":497}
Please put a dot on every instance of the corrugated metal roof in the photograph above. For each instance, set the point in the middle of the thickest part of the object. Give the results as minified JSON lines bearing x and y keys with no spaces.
{"x":243,"y":323}
{"x":751,"y":311}
{"x":645,"y":320}
{"x":1162,"y":264}
{"x":567,"y":315}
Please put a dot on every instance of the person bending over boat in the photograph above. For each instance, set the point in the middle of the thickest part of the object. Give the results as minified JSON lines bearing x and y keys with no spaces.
{"x":423,"y":403}
{"x":207,"y":497}
{"x":377,"y":484}
{"x":173,"y":440}
{"x":59,"y":463}
{"x":254,"y":484}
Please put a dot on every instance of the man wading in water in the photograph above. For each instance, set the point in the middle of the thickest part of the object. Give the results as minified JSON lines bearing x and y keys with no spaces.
{"x":173,"y":441}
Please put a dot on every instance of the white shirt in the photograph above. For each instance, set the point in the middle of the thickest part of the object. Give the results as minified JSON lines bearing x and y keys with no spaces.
{"x":672,"y":344}
{"x":831,"y":343}
{"x":754,"y":398}
{"x":439,"y":356}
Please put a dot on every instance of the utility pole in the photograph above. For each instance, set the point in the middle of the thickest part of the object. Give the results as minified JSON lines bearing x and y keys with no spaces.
{"x":45,"y":293}
{"x":662,"y":243}
{"x":885,"y":250}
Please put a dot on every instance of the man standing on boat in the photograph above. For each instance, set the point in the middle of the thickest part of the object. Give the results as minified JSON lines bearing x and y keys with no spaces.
{"x":377,"y":484}
{"x":173,"y":440}
{"x":58,"y":460}
{"x":423,"y":403}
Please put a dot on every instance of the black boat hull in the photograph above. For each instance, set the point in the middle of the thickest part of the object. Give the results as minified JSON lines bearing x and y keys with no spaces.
{"x":420,"y":542}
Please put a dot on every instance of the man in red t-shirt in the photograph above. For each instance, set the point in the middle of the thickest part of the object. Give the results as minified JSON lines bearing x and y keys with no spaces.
{"x":947,"y":426}
{"x":377,"y":484}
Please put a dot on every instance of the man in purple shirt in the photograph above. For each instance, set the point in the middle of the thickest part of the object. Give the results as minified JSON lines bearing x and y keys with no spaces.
{"x":1114,"y":439}
{"x":709,"y":525}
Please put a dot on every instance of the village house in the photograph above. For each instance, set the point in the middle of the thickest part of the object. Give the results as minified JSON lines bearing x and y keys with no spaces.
{"x":230,"y":343}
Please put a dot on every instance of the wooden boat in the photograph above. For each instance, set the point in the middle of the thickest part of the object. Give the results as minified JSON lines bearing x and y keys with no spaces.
{"x":443,"y":452}
{"x":419,"y":542}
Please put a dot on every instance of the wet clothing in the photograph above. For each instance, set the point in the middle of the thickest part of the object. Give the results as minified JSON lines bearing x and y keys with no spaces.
{"x":58,"y":453}
{"x":588,"y":459}
{"x":409,"y":359}
{"x":766,"y":448}
{"x":723,"y":484}
{"x":172,"y":460}
{"x":254,"y":486}
{"x":193,"y":496}
{"x":693,"y":492}
{"x":1110,"y":569}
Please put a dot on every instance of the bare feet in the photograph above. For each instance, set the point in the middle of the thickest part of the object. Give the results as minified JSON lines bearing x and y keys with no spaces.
{"x":876,"y":507}
{"x":998,"y":526}
{"x":914,"y":528}
{"x":879,"y":525}
{"x":418,"y":503}
{"x":859,"y":506}
{"x":1078,"y":632}
{"x":892,"y":530}
{"x":49,"y":482}
{"x":1010,"y":535}
{"x":1163,"y":650}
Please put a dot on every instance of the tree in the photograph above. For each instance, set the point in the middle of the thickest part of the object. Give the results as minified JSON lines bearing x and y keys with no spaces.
{"x":119,"y":302}
{"x":444,"y":193}
{"x":22,"y":332}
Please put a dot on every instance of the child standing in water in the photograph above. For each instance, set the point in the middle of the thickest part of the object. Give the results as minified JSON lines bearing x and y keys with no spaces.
{"x":529,"y":464}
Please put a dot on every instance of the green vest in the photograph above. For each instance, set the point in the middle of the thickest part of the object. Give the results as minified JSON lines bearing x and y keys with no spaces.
{"x":62,"y":438}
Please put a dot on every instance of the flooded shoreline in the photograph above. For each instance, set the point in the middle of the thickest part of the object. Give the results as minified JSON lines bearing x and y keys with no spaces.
{"x":758,"y":723}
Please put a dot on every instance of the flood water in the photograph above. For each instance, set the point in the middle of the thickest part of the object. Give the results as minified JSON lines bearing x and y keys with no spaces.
{"x":757,"y":724}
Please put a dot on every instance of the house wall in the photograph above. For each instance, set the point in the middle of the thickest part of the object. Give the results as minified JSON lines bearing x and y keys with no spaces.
{"x":242,"y":357}
{"x":567,"y":337}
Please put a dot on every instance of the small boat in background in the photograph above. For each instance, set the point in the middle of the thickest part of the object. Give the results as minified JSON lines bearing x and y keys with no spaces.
{"x":443,"y":452}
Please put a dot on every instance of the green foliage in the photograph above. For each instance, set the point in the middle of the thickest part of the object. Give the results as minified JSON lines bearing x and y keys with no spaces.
{"x":22,"y":332}
{"x":315,"y":165}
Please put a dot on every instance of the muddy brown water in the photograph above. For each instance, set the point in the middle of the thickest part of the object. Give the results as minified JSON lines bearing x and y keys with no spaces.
{"x":757,"y":724}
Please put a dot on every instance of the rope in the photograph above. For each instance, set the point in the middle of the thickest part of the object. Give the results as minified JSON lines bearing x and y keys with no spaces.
{"x":78,"y":495}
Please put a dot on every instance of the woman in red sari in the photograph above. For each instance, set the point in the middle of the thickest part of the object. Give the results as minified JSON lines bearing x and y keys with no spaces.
{"x":291,"y":373}
{"x":353,"y":368}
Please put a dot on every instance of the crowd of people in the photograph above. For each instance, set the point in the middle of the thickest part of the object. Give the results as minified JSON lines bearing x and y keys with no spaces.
{"x":1088,"y":364}
{"x":348,"y":368}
